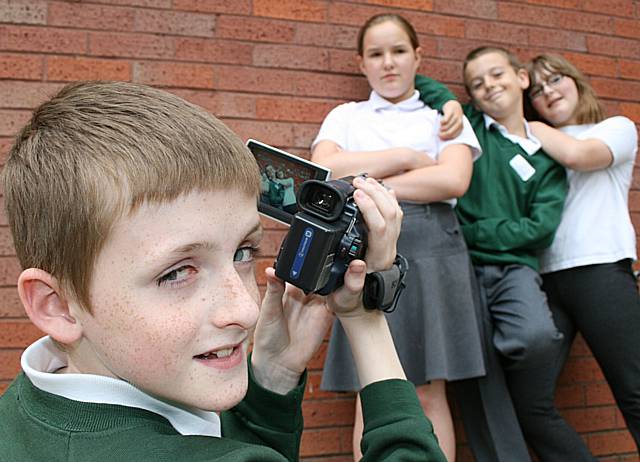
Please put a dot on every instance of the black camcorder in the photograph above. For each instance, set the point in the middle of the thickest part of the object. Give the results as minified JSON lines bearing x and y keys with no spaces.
{"x":326,"y":234}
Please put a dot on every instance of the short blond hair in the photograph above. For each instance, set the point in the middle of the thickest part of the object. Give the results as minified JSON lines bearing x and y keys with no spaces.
{"x":95,"y":152}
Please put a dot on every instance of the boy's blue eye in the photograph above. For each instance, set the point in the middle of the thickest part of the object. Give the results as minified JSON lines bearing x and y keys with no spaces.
{"x":244,"y":254}
{"x":175,"y":276}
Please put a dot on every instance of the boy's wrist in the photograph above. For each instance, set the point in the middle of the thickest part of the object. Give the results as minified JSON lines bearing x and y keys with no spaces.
{"x":273,"y":376}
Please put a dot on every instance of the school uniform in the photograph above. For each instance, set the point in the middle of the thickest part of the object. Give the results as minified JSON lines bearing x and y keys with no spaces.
{"x":83,"y":418}
{"x":434,"y":326}
{"x":589,"y":279}
{"x":509,"y":213}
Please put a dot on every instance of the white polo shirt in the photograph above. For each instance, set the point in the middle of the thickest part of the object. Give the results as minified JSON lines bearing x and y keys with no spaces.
{"x":596,"y":226}
{"x":42,"y":358}
{"x":377,"y":124}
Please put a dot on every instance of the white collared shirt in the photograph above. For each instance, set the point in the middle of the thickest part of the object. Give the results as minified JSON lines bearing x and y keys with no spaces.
{"x":42,"y":358}
{"x":530,"y":144}
{"x":377,"y":124}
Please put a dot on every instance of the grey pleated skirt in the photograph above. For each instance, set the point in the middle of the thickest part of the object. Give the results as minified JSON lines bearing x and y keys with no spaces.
{"x":434,"y":326}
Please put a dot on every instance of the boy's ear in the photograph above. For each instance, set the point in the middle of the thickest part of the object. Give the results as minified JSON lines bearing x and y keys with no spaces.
{"x":523,"y":78}
{"x":47,"y":306}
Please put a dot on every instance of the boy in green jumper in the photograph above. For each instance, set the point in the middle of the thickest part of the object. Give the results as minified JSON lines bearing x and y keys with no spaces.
{"x":134,"y":214}
{"x":510,"y":212}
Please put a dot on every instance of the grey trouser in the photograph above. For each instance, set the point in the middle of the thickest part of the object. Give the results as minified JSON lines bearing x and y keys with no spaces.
{"x":518,"y":335}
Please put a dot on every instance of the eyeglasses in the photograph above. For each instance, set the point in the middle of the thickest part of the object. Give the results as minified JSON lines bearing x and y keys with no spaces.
{"x":552,"y":82}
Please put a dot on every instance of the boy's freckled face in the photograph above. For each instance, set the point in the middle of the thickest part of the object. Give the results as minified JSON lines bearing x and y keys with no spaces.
{"x":174,"y":299}
{"x":495,"y":86}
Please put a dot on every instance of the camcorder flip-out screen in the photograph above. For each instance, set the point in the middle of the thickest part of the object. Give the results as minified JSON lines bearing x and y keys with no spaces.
{"x":282,"y":174}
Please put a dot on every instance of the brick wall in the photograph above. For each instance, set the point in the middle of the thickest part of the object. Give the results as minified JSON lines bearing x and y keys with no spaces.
{"x":272,"y":69}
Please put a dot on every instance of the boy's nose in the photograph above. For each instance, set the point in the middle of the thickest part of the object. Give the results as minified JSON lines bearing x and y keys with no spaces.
{"x":387,"y":60}
{"x":236,"y":304}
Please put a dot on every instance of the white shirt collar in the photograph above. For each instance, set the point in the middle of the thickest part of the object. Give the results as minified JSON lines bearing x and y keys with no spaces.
{"x":42,"y":358}
{"x":412,"y":103}
{"x":530,"y":144}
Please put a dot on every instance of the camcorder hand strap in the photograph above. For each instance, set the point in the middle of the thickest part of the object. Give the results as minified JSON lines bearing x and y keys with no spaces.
{"x":382,"y":289}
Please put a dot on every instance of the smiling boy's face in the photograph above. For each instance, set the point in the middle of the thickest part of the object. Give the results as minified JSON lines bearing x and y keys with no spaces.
{"x":495,"y":86}
{"x":174,"y":300}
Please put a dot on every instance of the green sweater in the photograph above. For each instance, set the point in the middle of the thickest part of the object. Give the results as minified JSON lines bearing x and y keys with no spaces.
{"x":505,"y":220}
{"x":39,"y":426}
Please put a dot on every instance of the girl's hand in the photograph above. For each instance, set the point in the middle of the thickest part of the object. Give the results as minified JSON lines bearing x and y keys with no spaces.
{"x":451,"y":122}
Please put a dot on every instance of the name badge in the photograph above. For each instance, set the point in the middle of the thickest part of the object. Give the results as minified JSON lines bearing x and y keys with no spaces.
{"x":522,"y":167}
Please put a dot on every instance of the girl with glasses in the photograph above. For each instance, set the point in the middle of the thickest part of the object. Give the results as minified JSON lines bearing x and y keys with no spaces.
{"x":587,"y":271}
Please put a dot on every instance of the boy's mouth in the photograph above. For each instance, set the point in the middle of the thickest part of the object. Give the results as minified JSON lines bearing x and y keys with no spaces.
{"x":222,"y":353}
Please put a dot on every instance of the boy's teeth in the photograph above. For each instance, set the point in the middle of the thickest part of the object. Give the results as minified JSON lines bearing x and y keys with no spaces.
{"x":219,"y":354}
{"x":224,"y":353}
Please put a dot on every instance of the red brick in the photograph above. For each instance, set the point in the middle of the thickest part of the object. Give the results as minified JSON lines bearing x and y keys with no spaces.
{"x":344,"y":62}
{"x":174,"y":74}
{"x":490,"y":31}
{"x":326,"y":35}
{"x":631,"y":110}
{"x":18,"y":334}
{"x":146,"y":3}
{"x":630,"y":69}
{"x":570,"y":396}
{"x":175,"y":23}
{"x":554,"y":39}
{"x":6,"y":243}
{"x":221,"y":104}
{"x":9,"y":363}
{"x":255,"y":29}
{"x":3,"y":387}
{"x":214,"y":6}
{"x":304,"y":134}
{"x":599,"y":394}
{"x":270,"y":244}
{"x":611,"y":442}
{"x":291,"y":82}
{"x":325,"y":441}
{"x":23,"y":12}
{"x":612,"y":46}
{"x":579,"y":370}
{"x":557,"y":3}
{"x":68,"y":69}
{"x":213,"y":51}
{"x":612,"y":7}
{"x":293,"y":109}
{"x":591,"y":419}
{"x":616,"y":89}
{"x":421,"y":5}
{"x":27,"y":67}
{"x":83,"y":16}
{"x":522,"y":14}
{"x":10,"y":306}
{"x":11,"y":121}
{"x":593,"y":65}
{"x":441,"y":70}
{"x":579,"y":348}
{"x":313,"y":390}
{"x":25,"y":95}
{"x":131,"y":45}
{"x":261,"y":265}
{"x":302,"y":10}
{"x":291,"y":57}
{"x":627,"y":27}
{"x":586,"y":22}
{"x":268,"y":223}
{"x":478,"y":9}
{"x":330,"y":412}
{"x":22,"y":38}
{"x":456,"y":49}
{"x":273,"y":133}
{"x":441,"y":26}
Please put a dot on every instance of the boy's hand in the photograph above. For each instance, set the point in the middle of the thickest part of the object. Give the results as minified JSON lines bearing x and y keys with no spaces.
{"x":451,"y":122}
{"x":290,"y":329}
{"x":383,"y":217}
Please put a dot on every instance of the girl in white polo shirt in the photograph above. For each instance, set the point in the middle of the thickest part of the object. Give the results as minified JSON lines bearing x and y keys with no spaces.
{"x":393,"y":136}
{"x":587,"y":270}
